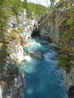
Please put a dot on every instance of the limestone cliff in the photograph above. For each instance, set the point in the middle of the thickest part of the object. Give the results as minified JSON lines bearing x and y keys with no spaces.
{"x":54,"y":26}
{"x":13,"y":81}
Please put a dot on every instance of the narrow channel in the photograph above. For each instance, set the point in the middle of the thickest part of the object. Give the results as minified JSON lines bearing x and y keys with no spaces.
{"x":43,"y":78}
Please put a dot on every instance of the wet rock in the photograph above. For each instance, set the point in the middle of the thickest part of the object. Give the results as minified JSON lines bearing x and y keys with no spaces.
{"x":44,"y":42}
{"x":36,"y":54}
{"x":54,"y":45}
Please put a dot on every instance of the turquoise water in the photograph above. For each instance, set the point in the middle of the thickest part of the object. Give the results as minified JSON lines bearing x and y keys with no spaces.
{"x":43,"y":78}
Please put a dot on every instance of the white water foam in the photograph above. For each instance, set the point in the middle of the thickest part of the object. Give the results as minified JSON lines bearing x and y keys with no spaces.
{"x":48,"y":57}
{"x":35,"y":43}
{"x":28,"y":58}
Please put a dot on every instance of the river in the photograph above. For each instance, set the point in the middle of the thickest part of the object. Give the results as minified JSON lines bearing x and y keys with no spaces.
{"x":43,"y":78}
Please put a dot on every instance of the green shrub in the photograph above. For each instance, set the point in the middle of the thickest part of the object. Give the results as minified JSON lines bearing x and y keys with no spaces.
{"x":63,"y":60}
{"x":12,"y":35}
{"x":7,"y":53}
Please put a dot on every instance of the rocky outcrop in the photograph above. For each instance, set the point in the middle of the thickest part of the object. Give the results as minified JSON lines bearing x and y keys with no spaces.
{"x":13,"y":81}
{"x":29,"y":26}
{"x":35,"y":53}
{"x":69,"y":79}
{"x":16,"y":88}
{"x":49,"y":27}
{"x":55,"y":46}
{"x":15,"y":45}
{"x":16,"y":51}
{"x":44,"y":42}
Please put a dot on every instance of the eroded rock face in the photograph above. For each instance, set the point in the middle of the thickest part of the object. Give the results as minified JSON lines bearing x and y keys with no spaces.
{"x":13,"y":22}
{"x":16,"y":90}
{"x":13,"y":82}
{"x":16,"y":45}
{"x":35,"y":53}
{"x":44,"y":33}
{"x":69,"y":77}
{"x":29,"y":25}
{"x":49,"y":27}
{"x":55,"y":46}
{"x":16,"y":51}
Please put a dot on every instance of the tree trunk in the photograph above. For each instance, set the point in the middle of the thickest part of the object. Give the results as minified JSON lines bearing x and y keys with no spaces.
{"x":3,"y":39}
{"x":71,"y":2}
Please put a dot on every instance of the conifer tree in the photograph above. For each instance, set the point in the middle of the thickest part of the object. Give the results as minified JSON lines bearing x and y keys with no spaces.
{"x":52,"y":2}
{"x":3,"y":23}
{"x":25,"y":5}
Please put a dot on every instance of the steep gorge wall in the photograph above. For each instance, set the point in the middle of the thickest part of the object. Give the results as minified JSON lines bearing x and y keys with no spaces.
{"x":13,"y":81}
{"x":50,"y":29}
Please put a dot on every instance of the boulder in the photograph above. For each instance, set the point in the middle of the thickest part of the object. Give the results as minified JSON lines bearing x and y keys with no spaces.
{"x":35,"y":53}
{"x":53,"y":45}
{"x":44,"y":42}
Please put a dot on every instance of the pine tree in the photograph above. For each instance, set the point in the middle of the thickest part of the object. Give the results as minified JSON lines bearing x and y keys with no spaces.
{"x":3,"y":23}
{"x":25,"y":5}
{"x":15,"y":7}
{"x":52,"y":3}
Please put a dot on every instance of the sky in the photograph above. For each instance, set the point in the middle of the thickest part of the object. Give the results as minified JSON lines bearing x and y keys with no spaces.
{"x":43,"y":2}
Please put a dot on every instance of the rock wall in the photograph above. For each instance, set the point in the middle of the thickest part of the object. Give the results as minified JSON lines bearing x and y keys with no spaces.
{"x":69,"y":80}
{"x":16,"y":45}
{"x":12,"y":81}
{"x":49,"y":25}
{"x":16,"y":89}
{"x":49,"y":28}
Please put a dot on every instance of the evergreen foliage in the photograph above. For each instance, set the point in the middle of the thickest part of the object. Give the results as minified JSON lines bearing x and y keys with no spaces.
{"x":37,"y":9}
{"x":63,"y":60}
{"x":3,"y":23}
{"x":67,"y":25}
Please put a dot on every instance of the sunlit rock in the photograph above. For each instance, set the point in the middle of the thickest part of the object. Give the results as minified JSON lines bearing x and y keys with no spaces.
{"x":16,"y":51}
{"x":35,"y":53}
